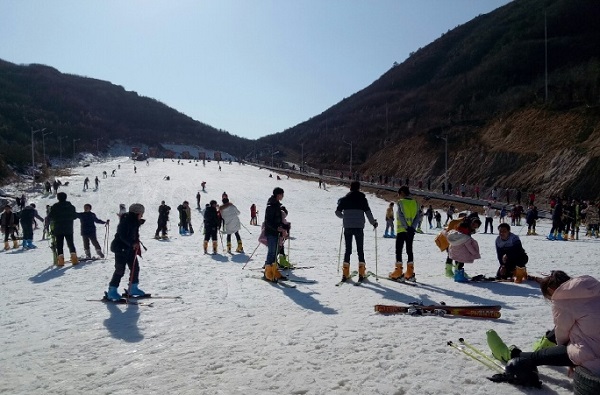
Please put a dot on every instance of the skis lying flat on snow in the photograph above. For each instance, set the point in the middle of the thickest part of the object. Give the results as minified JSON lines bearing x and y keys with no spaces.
{"x":287,"y":268}
{"x":282,"y":283}
{"x":410,"y":283}
{"x":461,"y":311}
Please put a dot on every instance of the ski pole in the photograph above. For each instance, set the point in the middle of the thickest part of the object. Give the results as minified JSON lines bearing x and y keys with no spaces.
{"x":482,"y":354}
{"x":376,"y":273}
{"x":250,"y":257}
{"x":340,"y":250}
{"x":245,"y":228}
{"x":484,"y":362}
{"x":136,"y":250}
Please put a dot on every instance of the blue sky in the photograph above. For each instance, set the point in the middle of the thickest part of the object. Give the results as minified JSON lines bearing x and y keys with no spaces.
{"x":250,"y":67}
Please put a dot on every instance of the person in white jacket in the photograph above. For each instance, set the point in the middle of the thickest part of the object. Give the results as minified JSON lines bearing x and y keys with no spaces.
{"x":231,"y":224}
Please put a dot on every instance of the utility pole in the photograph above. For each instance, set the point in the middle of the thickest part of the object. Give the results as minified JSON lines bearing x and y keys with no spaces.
{"x":60,"y":139}
{"x":33,"y":132}
{"x":350,"y":144}
{"x":74,"y":141}
{"x":44,"y":145}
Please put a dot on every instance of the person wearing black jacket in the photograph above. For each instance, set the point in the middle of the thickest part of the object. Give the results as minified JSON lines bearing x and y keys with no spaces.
{"x":126,"y":247}
{"x":557,"y":221}
{"x":211,"y":224}
{"x":163,"y":218}
{"x":62,"y":215}
{"x":88,"y":230}
{"x":511,"y":255}
{"x":274,"y":228}
{"x":352,"y":208}
{"x":27,"y":216}
{"x":9,"y":222}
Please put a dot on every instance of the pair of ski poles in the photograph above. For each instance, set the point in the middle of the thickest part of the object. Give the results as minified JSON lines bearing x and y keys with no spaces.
{"x":478,"y":355}
{"x":340,"y":252}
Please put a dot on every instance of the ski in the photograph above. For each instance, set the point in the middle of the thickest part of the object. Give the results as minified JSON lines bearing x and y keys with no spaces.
{"x":349,"y":279}
{"x":361,"y":282}
{"x":120,"y":301}
{"x":300,"y":280}
{"x":286,"y":268}
{"x":441,"y":310}
{"x":410,"y":283}
{"x":84,"y":259}
{"x":282,"y":283}
{"x":147,"y":296}
{"x":475,"y":357}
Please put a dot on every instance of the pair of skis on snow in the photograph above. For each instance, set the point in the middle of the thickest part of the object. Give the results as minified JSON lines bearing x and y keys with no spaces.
{"x":473,"y":311}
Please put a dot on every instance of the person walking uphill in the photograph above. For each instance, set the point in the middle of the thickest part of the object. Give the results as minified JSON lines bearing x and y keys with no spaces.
{"x":126,"y":247}
{"x":407,"y":218}
{"x":273,"y":230}
{"x":352,"y":208}
{"x":88,"y":221}
{"x":62,"y":214}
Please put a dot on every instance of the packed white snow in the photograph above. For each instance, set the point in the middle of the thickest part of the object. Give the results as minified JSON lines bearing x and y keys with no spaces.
{"x":232,"y":333}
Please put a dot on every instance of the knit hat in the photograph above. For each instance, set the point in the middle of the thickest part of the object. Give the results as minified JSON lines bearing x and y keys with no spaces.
{"x":136,"y":208}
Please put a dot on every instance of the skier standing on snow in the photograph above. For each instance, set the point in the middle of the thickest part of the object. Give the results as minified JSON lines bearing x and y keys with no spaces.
{"x":211,"y":225}
{"x":96,"y":182}
{"x":88,"y":230}
{"x":464,"y":248}
{"x":406,"y":221}
{"x":389,"y":221}
{"x":352,"y":208}
{"x":62,"y":214}
{"x":198,"y":197}
{"x":488,"y":212}
{"x":231,"y":224}
{"x":9,"y":222}
{"x":126,"y":247}
{"x":163,"y":218}
{"x":27,"y":216}
{"x":253,"y":213}
{"x":185,"y":217}
{"x":273,"y":230}
{"x":86,"y":183}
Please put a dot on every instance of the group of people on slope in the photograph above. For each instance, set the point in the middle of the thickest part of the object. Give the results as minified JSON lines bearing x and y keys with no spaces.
{"x":575,"y":301}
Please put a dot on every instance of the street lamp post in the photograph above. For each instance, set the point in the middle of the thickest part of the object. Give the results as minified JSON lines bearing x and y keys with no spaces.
{"x":44,"y":145}
{"x":445,"y":138}
{"x":60,"y":139}
{"x":74,"y":141}
{"x":273,"y":154}
{"x":33,"y":132}
{"x":350,"y":144}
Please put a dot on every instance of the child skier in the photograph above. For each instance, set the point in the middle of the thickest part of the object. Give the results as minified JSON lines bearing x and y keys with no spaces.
{"x":463,"y":248}
{"x":88,"y":230}
{"x":27,"y":216}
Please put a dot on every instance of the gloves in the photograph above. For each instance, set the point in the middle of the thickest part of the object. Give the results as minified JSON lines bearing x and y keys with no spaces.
{"x":375,"y":224}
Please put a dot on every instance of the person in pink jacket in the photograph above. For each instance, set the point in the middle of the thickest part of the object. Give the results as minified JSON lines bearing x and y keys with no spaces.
{"x":576,"y":313}
{"x":464,"y":248}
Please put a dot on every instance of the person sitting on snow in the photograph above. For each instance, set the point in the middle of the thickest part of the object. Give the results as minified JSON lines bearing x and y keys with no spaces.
{"x":511,"y":255}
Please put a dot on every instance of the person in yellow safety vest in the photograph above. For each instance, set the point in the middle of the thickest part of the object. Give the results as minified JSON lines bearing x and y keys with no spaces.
{"x":407,"y":219}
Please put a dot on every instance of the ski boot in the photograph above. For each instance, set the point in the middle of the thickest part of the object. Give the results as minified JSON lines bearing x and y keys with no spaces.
{"x":551,"y":236}
{"x":157,"y":237}
{"x":283,"y":262}
{"x":362,"y":268}
{"x":30,"y":244}
{"x":60,"y":260}
{"x":113,"y":294}
{"x":229,"y":247}
{"x":559,"y":237}
{"x":136,"y":291}
{"x":499,"y":349}
{"x":269,"y":274}
{"x":205,"y":245}
{"x":240,"y":248}
{"x":88,"y":254}
{"x":6,"y":246}
{"x":449,"y":270}
{"x":276,"y":274}
{"x":345,"y":271}
{"x":15,"y":244}
{"x":74,"y":259}
{"x":520,"y":274}
{"x":460,"y":276}
{"x":397,"y":274}
{"x":215,"y":247}
{"x":410,"y":272}
{"x":99,"y":253}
